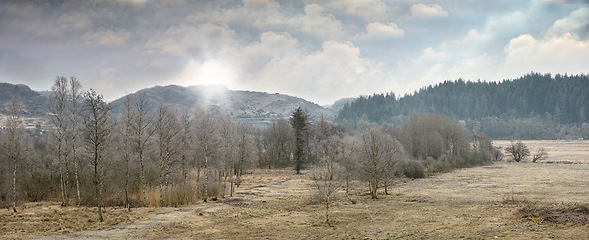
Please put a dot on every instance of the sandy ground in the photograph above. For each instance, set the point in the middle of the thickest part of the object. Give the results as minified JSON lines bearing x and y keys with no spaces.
{"x":474,"y":203}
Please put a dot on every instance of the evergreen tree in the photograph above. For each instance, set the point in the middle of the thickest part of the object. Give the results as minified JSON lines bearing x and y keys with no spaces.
{"x":298,"y":121}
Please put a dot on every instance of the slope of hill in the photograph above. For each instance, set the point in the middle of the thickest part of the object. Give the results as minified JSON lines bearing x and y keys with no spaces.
{"x":219,"y":99}
{"x":35,"y":103}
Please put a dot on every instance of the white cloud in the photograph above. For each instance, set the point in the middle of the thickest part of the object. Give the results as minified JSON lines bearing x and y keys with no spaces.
{"x":577,"y":22}
{"x":259,"y":13}
{"x":476,"y":36}
{"x":316,"y":22}
{"x":335,"y":72}
{"x":556,"y":54}
{"x":369,"y":11}
{"x":428,"y":11}
{"x":377,"y":30}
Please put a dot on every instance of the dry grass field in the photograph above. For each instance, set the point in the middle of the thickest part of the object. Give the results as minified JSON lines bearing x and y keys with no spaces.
{"x":559,"y":151}
{"x":504,"y":200}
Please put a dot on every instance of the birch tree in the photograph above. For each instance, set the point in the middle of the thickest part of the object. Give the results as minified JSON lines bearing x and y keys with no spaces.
{"x":15,"y":140}
{"x":58,"y":107}
{"x":141,"y":134}
{"x":166,"y":130}
{"x":75,"y":94}
{"x":208,"y":142}
{"x":227,"y":134}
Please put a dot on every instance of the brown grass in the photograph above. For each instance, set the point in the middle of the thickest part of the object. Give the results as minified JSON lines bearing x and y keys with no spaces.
{"x":559,"y":151}
{"x":506,"y":200}
{"x":46,"y":218}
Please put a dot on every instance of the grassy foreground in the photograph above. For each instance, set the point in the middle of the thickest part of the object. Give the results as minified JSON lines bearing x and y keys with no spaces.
{"x":489,"y":202}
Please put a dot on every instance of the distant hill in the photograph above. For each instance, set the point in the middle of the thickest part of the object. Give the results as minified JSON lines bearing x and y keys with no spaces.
{"x":35,"y":103}
{"x":246,"y":105}
{"x":564,"y":98}
{"x":339,"y":104}
{"x":495,"y":108}
{"x":219,"y":99}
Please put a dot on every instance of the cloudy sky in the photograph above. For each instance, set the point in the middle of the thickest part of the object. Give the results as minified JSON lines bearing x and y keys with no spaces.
{"x":320,"y":50}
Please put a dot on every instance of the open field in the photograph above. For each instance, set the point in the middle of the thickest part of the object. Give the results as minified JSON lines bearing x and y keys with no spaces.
{"x":481,"y":202}
{"x":559,"y":151}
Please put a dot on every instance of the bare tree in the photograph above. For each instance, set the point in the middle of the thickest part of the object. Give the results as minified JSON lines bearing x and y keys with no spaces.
{"x":127,"y":121}
{"x":518,"y":151}
{"x":227,"y":134}
{"x":166,"y":130}
{"x":326,"y":175}
{"x":15,"y":146}
{"x":245,"y":152}
{"x":541,"y":154}
{"x":75,"y":94}
{"x":208,"y":142}
{"x":377,"y":157}
{"x":277,"y":140}
{"x":58,"y":116}
{"x":349,"y":145}
{"x":141,"y":134}
{"x":97,"y":129}
{"x":186,"y":141}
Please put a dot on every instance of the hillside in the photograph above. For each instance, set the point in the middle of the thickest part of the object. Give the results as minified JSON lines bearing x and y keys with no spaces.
{"x":219,"y":99}
{"x":35,"y":103}
{"x":543,"y":100}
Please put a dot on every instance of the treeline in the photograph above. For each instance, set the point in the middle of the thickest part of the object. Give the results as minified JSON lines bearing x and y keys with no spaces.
{"x":155,"y":155}
{"x":556,"y":100}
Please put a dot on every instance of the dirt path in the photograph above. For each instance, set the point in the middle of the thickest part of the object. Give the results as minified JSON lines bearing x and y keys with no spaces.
{"x":167,"y":222}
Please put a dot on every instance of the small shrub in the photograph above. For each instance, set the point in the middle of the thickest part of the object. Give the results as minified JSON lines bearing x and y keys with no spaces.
{"x":410,"y":168}
{"x":562,"y":214}
{"x":435,"y":166}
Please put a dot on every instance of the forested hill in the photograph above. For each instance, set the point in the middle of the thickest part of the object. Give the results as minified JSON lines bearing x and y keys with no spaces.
{"x":561,"y":98}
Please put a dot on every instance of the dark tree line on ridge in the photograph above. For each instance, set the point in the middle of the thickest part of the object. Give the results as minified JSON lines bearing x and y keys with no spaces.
{"x":541,"y":102}
{"x":155,"y":155}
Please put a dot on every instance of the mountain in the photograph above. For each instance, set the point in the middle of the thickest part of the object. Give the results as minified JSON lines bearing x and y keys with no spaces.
{"x":219,"y":99}
{"x":35,"y":103}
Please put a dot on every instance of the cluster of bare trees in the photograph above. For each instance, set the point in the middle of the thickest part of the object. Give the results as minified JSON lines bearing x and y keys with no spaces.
{"x":154,"y":155}
{"x":376,"y":155}
{"x":147,"y":155}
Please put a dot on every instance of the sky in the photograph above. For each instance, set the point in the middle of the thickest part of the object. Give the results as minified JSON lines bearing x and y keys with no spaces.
{"x":319,"y":50}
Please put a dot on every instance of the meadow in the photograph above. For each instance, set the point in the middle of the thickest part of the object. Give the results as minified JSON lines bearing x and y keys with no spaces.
{"x":506,"y":200}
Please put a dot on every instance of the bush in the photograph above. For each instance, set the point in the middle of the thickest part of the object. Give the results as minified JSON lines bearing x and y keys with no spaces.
{"x":410,"y":168}
{"x":435,"y":166}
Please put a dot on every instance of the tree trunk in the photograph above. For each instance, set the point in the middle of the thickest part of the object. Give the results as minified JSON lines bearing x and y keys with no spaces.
{"x":98,"y":184}
{"x":14,"y":184}
{"x":143,"y":183}
{"x":127,"y":204}
{"x":61,"y":180}
{"x":206,"y":178}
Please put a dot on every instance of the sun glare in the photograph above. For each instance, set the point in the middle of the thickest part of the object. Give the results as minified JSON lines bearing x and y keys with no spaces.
{"x":209,"y":72}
